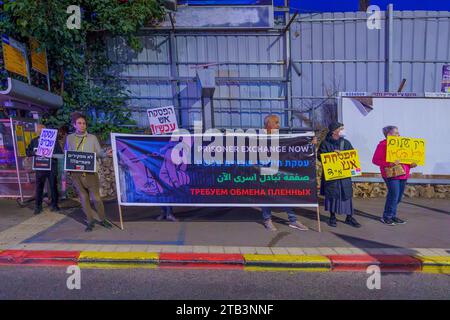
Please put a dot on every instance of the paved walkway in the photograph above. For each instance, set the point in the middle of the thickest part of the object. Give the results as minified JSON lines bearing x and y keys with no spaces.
{"x":232,"y":230}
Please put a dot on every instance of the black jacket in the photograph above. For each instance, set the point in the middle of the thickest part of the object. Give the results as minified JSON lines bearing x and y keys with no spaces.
{"x":331,"y":188}
{"x":35,"y":143}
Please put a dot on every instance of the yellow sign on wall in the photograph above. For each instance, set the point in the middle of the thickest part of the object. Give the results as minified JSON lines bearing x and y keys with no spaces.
{"x":20,"y":141}
{"x":405,"y":150}
{"x":38,"y":59}
{"x":27,"y":138}
{"x":344,"y":164}
{"x":14,"y":56}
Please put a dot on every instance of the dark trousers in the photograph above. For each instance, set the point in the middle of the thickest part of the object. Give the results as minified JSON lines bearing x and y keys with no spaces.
{"x":167,"y":211}
{"x":41,"y":177}
{"x":395,"y":193}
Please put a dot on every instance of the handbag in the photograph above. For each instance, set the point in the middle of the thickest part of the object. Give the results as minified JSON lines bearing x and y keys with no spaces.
{"x":394,"y":171}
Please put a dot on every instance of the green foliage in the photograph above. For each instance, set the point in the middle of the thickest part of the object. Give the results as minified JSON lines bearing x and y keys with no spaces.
{"x":78,"y":61}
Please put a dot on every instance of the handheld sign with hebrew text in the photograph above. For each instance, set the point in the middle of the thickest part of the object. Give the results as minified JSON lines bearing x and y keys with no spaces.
{"x":41,"y":163}
{"x":80,"y":161}
{"x":340,"y":165}
{"x":162,"y":120}
{"x":47,"y":141}
{"x":405,"y":150}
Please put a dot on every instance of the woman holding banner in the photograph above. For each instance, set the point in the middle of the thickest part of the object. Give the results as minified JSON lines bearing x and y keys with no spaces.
{"x":395,"y":175}
{"x":338,"y":193}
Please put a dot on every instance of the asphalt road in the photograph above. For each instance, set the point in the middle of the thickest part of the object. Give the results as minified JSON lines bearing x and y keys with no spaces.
{"x":50,"y":283}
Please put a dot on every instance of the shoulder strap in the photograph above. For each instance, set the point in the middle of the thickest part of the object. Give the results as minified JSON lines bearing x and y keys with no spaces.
{"x":341,"y":144}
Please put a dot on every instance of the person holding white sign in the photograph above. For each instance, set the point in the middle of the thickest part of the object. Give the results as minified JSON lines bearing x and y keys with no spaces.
{"x":43,"y":175}
{"x":87,"y":184}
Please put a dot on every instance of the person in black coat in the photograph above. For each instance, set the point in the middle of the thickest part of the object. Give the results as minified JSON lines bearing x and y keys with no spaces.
{"x":338,"y":193}
{"x":43,"y":175}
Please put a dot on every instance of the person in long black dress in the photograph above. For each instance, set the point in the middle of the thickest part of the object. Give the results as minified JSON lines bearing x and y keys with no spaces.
{"x":338,"y":193}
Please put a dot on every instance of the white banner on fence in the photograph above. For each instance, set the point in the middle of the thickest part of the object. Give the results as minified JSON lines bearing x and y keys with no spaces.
{"x":47,"y":142}
{"x":162,"y":120}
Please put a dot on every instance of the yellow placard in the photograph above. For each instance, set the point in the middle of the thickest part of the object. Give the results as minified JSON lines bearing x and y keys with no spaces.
{"x":405,"y":150}
{"x":344,"y":164}
{"x":38,"y":59}
{"x":27,"y":138}
{"x":19,"y":132}
{"x":21,"y":149}
{"x":15,"y":60}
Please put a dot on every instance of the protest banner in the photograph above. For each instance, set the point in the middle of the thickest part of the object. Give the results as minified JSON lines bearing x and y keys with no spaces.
{"x":162,"y":120}
{"x":233,"y":171}
{"x":80,"y":161}
{"x":344,"y":164}
{"x":47,"y":141}
{"x":405,"y":150}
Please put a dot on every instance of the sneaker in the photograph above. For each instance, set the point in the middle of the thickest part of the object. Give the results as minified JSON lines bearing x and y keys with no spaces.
{"x":55,"y":209}
{"x":388,"y":221}
{"x":37,"y":210}
{"x":171,"y":217}
{"x":298,"y":225}
{"x":332,"y":222}
{"x":106,"y":224}
{"x":352,"y":222}
{"x":160,"y":217}
{"x":269,"y":225}
{"x":398,"y":220}
{"x":89,"y":227}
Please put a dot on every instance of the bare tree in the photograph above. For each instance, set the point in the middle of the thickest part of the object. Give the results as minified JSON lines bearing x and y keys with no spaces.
{"x":363,"y":5}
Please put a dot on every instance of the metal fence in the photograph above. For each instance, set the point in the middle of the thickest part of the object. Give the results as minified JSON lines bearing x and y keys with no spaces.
{"x":295,"y":74}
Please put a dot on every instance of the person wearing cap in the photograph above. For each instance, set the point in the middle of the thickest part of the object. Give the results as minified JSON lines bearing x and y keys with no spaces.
{"x":338,"y":193}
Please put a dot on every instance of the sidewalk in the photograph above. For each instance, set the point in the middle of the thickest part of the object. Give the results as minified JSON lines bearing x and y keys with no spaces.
{"x":233,"y":237}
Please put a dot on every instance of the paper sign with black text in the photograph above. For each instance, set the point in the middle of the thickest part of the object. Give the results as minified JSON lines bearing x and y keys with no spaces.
{"x":162,"y":120}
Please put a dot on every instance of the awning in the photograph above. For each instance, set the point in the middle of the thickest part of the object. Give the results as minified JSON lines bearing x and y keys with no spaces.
{"x":20,"y":95}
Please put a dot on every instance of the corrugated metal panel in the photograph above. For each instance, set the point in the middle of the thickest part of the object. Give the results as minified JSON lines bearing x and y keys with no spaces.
{"x":241,"y":99}
{"x":333,"y":52}
{"x":337,"y":52}
{"x":421,"y":47}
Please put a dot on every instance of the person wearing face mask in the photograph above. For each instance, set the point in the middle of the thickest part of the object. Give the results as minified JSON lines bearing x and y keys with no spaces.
{"x":338,"y":193}
{"x":395,"y":175}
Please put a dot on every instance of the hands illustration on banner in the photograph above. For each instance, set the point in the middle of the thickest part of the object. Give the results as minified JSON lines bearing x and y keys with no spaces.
{"x":172,"y":174}
{"x":145,"y":183}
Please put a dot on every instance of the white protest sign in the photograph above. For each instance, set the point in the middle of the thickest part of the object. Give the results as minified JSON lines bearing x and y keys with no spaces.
{"x":162,"y":120}
{"x":47,"y":142}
